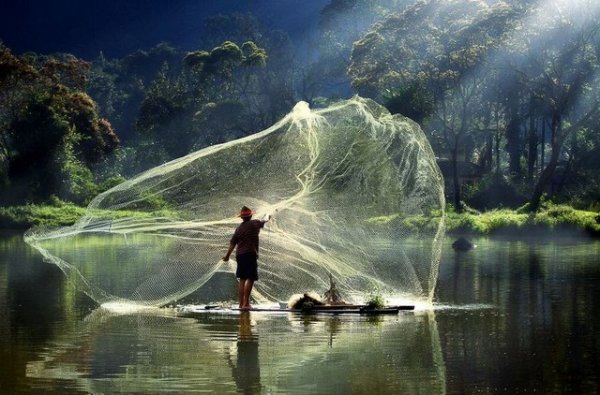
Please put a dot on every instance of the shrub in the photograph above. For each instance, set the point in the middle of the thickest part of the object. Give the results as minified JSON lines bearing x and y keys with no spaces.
{"x":493,"y":191}
{"x":23,"y":217}
{"x":550,"y":217}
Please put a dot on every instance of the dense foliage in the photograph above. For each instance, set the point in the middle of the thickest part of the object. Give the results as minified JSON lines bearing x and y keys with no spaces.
{"x":50,"y":131}
{"x":509,"y":86}
{"x":505,"y":90}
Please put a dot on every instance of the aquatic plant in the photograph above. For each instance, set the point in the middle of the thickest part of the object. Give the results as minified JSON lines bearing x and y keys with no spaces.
{"x":375,"y":299}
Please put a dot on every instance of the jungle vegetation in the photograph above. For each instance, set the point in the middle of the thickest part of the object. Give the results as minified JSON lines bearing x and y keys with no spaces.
{"x":506,"y":91}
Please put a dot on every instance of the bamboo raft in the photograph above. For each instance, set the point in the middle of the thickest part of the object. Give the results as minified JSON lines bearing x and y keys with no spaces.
{"x":191,"y":311}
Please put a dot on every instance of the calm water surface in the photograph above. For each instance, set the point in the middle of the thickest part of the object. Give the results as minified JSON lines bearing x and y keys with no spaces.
{"x":511,"y":316}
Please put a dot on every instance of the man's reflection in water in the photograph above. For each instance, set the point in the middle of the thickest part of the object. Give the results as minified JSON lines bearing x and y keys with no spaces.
{"x":246,"y":370}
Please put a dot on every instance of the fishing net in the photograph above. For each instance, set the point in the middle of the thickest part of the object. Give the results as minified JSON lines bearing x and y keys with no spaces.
{"x":353,"y":192}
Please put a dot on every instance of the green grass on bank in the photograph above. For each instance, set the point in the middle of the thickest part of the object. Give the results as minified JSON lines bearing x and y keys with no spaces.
{"x":550,"y":218}
{"x":499,"y":221}
{"x":24,"y":217}
{"x":62,"y":214}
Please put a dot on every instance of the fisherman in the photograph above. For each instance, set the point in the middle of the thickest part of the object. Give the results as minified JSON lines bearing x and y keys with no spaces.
{"x":245,"y":238}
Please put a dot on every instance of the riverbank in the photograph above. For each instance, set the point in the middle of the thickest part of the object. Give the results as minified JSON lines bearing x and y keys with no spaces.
{"x":29,"y":215}
{"x":61,"y":214}
{"x":552,"y":218}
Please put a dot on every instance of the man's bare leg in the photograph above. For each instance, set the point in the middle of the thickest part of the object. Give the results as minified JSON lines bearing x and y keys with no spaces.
{"x":241,"y":285}
{"x":248,"y":284}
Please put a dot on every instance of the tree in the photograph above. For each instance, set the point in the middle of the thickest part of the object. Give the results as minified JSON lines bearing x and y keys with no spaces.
{"x":236,"y":27}
{"x":35,"y":135}
{"x":119,"y":85}
{"x":202,"y":105}
{"x":18,"y":78}
{"x":164,"y":121}
{"x":438,"y":47}
{"x":558,"y":63}
{"x":217,"y":67}
{"x":341,"y":22}
{"x":50,"y":129}
{"x":583,"y":190}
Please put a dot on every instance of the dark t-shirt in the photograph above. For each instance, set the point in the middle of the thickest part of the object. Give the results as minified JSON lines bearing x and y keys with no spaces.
{"x":246,"y":237}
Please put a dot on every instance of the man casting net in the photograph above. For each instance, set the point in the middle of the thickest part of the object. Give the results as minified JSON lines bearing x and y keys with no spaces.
{"x":354,"y":192}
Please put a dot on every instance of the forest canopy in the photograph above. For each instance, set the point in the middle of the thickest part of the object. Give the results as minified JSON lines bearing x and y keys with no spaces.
{"x":506,"y":92}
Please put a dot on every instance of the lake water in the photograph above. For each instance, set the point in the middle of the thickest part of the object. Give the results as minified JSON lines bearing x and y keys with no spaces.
{"x":511,"y":316}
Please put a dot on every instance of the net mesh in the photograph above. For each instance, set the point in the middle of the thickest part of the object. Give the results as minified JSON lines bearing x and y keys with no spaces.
{"x":353,"y":191}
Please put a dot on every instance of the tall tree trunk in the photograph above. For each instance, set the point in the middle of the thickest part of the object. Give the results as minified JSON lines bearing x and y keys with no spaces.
{"x":455,"y":179}
{"x":569,"y":165}
{"x":543,"y":144}
{"x":548,"y":172}
{"x":486,"y":159}
{"x":497,"y":146}
{"x":545,"y":177}
{"x":513,"y":137}
{"x":564,"y":177}
{"x":531,"y":149}
{"x":513,"y":146}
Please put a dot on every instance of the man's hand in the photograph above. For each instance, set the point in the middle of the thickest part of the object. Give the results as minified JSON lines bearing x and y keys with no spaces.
{"x":229,"y":251}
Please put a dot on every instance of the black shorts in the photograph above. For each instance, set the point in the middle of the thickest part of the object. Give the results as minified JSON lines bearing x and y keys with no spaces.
{"x":247,"y":266}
